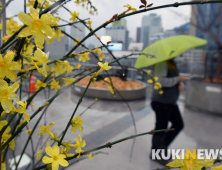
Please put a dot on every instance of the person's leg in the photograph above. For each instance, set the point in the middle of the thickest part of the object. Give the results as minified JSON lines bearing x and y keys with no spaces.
{"x":177,"y":124}
{"x":163,"y":114}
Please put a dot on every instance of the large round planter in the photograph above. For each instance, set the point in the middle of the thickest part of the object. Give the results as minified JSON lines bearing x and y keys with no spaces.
{"x":204,"y":96}
{"x":102,"y":93}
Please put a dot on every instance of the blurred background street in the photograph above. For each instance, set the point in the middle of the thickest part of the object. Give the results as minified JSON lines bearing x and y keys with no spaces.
{"x":108,"y":121}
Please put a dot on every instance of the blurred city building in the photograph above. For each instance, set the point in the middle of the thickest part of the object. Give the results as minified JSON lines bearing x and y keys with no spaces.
{"x":155,"y":37}
{"x":169,"y":33}
{"x":131,"y":40}
{"x":183,"y":29}
{"x":191,"y":62}
{"x":119,"y":33}
{"x":138,"y":34}
{"x":206,"y":23}
{"x":77,"y":32}
{"x":151,"y":25}
{"x":135,"y":46}
{"x":57,"y":48}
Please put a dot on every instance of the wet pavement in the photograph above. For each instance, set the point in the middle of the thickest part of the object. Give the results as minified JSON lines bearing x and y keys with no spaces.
{"x":108,"y":121}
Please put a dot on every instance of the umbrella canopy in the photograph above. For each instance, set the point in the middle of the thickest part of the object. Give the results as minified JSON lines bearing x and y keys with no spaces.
{"x":167,"y":48}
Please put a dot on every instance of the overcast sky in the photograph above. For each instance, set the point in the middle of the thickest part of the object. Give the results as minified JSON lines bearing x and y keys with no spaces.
{"x":107,"y":8}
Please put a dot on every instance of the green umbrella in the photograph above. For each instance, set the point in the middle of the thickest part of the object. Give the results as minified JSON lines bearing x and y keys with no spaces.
{"x":167,"y":48}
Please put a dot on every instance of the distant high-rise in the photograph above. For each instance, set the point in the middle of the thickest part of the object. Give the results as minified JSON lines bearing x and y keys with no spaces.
{"x":138,"y":34}
{"x":169,"y":33}
{"x":206,"y":23}
{"x":119,"y":33}
{"x":151,"y":25}
{"x":183,"y":29}
{"x":77,"y":31}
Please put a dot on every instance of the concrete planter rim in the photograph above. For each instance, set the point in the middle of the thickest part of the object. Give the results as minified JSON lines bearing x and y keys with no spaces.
{"x":144,"y":85}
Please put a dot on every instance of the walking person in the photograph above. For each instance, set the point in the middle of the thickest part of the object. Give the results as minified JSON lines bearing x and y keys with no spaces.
{"x":165,"y":107}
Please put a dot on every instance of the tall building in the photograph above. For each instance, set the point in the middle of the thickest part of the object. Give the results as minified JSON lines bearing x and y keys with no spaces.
{"x":119,"y":33}
{"x":183,"y":29}
{"x":151,"y":24}
{"x":77,"y":31}
{"x":206,"y":23}
{"x":169,"y":33}
{"x":138,"y":34}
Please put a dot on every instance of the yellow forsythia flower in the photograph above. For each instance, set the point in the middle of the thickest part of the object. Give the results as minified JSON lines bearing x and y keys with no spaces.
{"x":74,"y":16}
{"x":56,"y":158}
{"x":155,"y":78}
{"x":22,"y":109}
{"x":68,"y":68}
{"x":77,"y":66}
{"x":89,"y":156}
{"x":45,"y":129}
{"x":149,"y":72}
{"x":68,"y":81}
{"x":77,"y":2}
{"x":79,"y":145}
{"x":58,"y":34}
{"x":187,"y":164}
{"x":64,"y":151}
{"x":3,"y":123}
{"x":217,"y":168}
{"x":41,"y":59}
{"x":39,"y":84}
{"x":161,"y":92}
{"x":104,"y":66}
{"x":38,"y":156}
{"x":30,"y":3}
{"x":29,"y":131}
{"x":29,"y":49}
{"x":101,"y":56}
{"x":8,"y":66}
{"x":90,"y":23}
{"x":6,"y":136}
{"x":58,"y":68}
{"x":77,"y":41}
{"x":84,"y":57}
{"x":157,"y":86}
{"x":107,"y":79}
{"x":76,"y":122}
{"x":12,"y":26}
{"x":54,"y":85}
{"x":7,"y":94}
{"x":36,"y":26}
{"x":150,"y":81}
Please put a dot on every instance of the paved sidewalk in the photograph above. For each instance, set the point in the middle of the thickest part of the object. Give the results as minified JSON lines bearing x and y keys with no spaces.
{"x":108,"y":121}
